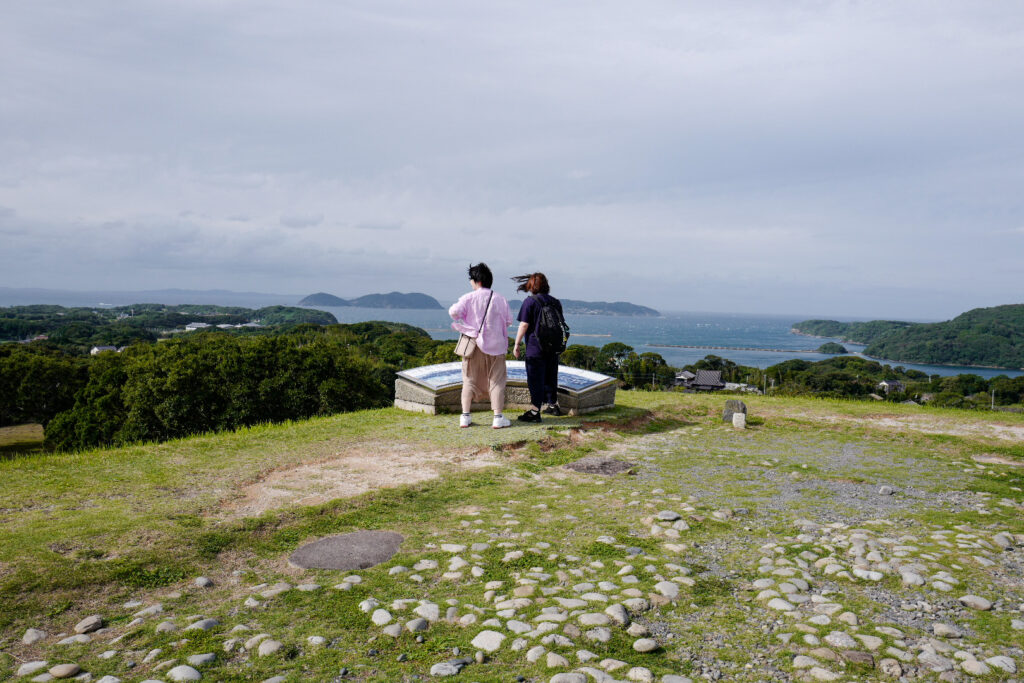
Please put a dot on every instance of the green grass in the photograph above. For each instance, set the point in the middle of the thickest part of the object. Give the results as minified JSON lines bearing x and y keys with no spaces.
{"x":82,"y":533}
{"x":21,"y":440}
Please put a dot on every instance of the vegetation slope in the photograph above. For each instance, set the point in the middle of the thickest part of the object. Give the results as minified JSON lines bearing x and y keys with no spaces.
{"x":991,"y":337}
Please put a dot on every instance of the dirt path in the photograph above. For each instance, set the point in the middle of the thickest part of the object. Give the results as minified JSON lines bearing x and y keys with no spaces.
{"x":927,"y":424}
{"x":348,"y":473}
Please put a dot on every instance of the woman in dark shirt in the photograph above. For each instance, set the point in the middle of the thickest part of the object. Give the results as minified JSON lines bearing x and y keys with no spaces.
{"x":541,"y":366}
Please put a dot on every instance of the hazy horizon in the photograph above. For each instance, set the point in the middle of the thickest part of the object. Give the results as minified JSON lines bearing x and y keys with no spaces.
{"x":855,"y":159}
{"x":13,"y":296}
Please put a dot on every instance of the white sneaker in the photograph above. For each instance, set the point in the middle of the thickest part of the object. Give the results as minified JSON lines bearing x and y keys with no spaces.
{"x":465,"y":420}
{"x":501,"y":422}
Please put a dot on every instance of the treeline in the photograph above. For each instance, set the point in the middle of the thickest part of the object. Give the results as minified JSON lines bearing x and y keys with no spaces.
{"x":856,"y":332}
{"x":76,"y":330}
{"x":855,"y":377}
{"x":984,"y":336}
{"x":207,"y":381}
{"x":622,"y":362}
{"x":992,"y":337}
{"x":850,"y":377}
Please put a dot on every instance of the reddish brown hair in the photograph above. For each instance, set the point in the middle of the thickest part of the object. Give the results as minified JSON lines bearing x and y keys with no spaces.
{"x":534,"y":283}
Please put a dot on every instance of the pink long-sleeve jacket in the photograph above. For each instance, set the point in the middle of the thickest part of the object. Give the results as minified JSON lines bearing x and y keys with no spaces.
{"x":469,"y":310}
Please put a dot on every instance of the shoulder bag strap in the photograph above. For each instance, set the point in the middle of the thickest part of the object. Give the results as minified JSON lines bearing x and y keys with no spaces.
{"x":484,"y":318}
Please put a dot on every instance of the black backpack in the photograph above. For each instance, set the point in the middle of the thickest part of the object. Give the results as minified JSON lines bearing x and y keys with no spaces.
{"x":552,"y":332}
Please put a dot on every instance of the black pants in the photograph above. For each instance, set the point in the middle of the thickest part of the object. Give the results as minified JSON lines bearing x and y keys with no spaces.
{"x":542,"y":379}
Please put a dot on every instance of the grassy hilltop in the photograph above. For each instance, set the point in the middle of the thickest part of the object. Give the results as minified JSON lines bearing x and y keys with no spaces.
{"x":827,"y":540}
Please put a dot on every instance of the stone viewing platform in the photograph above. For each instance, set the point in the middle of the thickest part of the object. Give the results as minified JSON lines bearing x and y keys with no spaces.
{"x":438,"y":389}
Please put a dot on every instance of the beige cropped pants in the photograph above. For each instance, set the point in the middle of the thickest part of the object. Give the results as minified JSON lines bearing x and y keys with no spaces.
{"x":483,"y":376}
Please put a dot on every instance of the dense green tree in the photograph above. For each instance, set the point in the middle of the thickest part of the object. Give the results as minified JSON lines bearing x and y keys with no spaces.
{"x":581,"y":356}
{"x":37,"y":383}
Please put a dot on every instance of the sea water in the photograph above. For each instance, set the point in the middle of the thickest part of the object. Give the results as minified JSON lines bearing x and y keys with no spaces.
{"x":749,"y":337}
{"x":753,"y":340}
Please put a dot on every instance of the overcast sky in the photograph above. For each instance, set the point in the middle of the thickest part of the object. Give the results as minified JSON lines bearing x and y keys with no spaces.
{"x":853,"y":157}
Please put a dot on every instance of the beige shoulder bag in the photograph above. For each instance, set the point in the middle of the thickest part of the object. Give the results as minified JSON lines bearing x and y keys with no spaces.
{"x":467,"y":345}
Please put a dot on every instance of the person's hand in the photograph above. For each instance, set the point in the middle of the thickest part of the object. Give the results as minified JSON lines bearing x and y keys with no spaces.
{"x":515,"y":351}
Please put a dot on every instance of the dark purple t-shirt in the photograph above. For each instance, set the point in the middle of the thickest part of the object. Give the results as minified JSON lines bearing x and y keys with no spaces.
{"x":529,"y":312}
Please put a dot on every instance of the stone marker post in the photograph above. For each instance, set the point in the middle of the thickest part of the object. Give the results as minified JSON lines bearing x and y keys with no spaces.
{"x":733,"y":406}
{"x":739,"y":420}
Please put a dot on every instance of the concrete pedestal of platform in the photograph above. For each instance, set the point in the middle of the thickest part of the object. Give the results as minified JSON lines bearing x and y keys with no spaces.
{"x":415,"y":394}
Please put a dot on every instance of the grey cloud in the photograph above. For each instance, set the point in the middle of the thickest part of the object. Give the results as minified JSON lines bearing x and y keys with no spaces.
{"x":852,"y":147}
{"x":379,"y":227}
{"x":302,"y":220}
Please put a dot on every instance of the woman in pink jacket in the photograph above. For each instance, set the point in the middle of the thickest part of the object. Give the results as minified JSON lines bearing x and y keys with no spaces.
{"x":484,"y":315}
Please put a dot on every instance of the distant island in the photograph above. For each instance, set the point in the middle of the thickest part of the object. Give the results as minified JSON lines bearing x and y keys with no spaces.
{"x":832,"y":348}
{"x":984,"y":337}
{"x":619,"y":308}
{"x":390,"y":300}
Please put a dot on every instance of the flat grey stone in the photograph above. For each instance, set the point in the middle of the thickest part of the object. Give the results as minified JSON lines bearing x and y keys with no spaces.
{"x":269,"y":647}
{"x":890,"y":667}
{"x":568,"y":678}
{"x":444,"y":669}
{"x":203,"y":582}
{"x":935,"y":662}
{"x":65,"y":670}
{"x":89,"y":624}
{"x":357,"y":550}
{"x":668,"y":589}
{"x":183,"y":672}
{"x":417,"y":625}
{"x":256,"y":640}
{"x":77,"y":639}
{"x":596,"y":464}
{"x":618,"y":613}
{"x":275,"y":679}
{"x":429,"y":611}
{"x":109,"y":679}
{"x":668,"y":516}
{"x":203,"y":659}
{"x":840,"y":640}
{"x":672,"y":678}
{"x":29,"y":668}
{"x":973,"y":667}
{"x":594,"y":619}
{"x":1002,"y":662}
{"x":203,"y":625}
{"x":33,"y":636}
{"x":276,"y":590}
{"x":149,"y":611}
{"x":645,"y":645}
{"x":976,"y":602}
{"x":489,"y":641}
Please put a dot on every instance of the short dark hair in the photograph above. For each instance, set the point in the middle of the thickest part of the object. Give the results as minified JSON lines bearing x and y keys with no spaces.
{"x":534,"y":283}
{"x":482,"y":274}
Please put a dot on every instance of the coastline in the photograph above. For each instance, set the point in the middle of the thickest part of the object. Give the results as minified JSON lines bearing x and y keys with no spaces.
{"x":891,"y":361}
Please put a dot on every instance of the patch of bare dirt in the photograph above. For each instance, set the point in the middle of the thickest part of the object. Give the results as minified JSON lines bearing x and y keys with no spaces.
{"x":933,"y":425}
{"x":351,"y":472}
{"x":990,"y":459}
